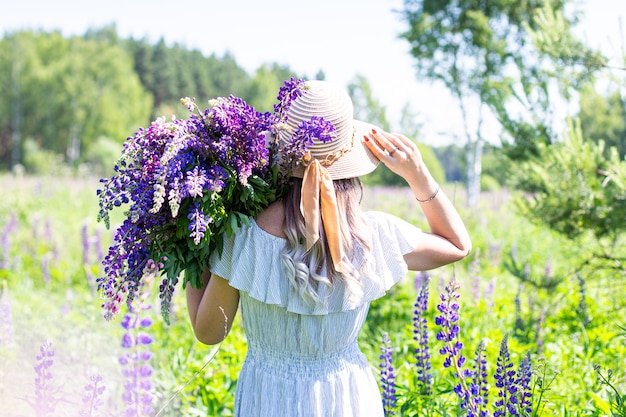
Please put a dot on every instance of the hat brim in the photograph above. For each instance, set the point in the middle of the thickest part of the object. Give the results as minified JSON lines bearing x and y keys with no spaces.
{"x":358,"y":161}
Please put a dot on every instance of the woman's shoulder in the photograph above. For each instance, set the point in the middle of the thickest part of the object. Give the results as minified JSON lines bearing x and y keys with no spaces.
{"x":272,"y":219}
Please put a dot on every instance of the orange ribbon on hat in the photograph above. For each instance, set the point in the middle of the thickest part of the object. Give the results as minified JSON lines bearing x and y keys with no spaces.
{"x":318,"y":194}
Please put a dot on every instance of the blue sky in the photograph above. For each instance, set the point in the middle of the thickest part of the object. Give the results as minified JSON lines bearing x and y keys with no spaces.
{"x":341,"y":37}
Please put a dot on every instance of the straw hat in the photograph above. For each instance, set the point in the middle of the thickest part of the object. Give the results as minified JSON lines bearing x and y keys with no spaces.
{"x":345,"y":156}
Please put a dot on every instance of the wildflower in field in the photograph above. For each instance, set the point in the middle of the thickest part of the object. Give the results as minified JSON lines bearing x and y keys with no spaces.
{"x":387,"y":377}
{"x":85,"y":241}
{"x":514,"y":392}
{"x":46,"y":394}
{"x":582,"y":303}
{"x":480,"y":375}
{"x":448,"y":320}
{"x":5,"y":241}
{"x":92,"y":398}
{"x":6,"y":321}
{"x":524,"y":392}
{"x":188,"y":181}
{"x":420,"y":335}
{"x":138,"y":392}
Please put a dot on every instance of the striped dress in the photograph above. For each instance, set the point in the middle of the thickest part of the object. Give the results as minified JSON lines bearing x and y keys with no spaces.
{"x":304,"y":360}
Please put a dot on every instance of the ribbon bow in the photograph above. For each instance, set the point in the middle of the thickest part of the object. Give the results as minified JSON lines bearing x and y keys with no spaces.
{"x":318,"y":194}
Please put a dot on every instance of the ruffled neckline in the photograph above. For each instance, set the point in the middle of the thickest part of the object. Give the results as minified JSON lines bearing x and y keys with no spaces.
{"x":251,"y":263}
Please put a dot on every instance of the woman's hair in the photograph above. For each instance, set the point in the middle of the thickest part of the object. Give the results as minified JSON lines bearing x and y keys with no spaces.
{"x":309,"y":271}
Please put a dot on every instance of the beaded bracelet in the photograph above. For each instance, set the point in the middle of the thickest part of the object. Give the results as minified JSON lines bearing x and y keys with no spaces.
{"x":432,"y":197}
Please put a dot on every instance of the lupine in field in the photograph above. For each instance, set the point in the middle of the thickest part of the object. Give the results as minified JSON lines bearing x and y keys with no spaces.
{"x":6,"y":321}
{"x":92,"y":398}
{"x":540,"y":329}
{"x":448,"y":320}
{"x":582,"y":304}
{"x":480,"y":380}
{"x":85,"y":241}
{"x":525,"y":395}
{"x":519,"y":322}
{"x":505,"y":377}
{"x":387,"y":377}
{"x":420,"y":335}
{"x":136,"y":369}
{"x":5,"y":241}
{"x":419,"y":279}
{"x":46,"y":397}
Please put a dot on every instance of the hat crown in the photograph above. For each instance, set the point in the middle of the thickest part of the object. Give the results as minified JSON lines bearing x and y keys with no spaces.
{"x":345,"y":156}
{"x":333,"y":104}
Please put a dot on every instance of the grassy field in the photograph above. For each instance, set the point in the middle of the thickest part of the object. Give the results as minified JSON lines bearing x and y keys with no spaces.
{"x":59,"y":357}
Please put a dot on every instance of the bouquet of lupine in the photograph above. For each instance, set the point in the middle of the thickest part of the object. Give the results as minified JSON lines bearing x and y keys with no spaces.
{"x":190,"y":181}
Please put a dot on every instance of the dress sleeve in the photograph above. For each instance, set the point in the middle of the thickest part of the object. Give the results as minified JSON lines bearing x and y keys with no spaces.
{"x":392,"y":238}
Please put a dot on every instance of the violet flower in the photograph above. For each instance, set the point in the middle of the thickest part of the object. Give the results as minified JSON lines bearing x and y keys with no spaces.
{"x":466,"y":390}
{"x":387,"y":377}
{"x":480,"y":380}
{"x":6,"y":321}
{"x":505,"y":382}
{"x":525,"y":394}
{"x":46,"y":394}
{"x":205,"y":175}
{"x":85,"y":241}
{"x":138,"y":389}
{"x":5,"y":241}
{"x":420,"y":335}
{"x":92,"y":398}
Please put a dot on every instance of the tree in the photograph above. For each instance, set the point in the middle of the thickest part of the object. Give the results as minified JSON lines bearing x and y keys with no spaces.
{"x":604,"y":118}
{"x":481,"y":53}
{"x":370,"y":109}
{"x":71,"y":91}
{"x":578,"y":190}
{"x":263,"y":89}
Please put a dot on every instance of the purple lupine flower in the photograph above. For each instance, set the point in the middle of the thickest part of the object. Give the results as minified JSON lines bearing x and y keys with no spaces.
{"x":420,"y":278}
{"x":97,"y":243}
{"x":466,"y":390}
{"x":540,"y":329}
{"x":45,"y":267}
{"x":525,"y":396}
{"x":6,"y":321}
{"x":304,"y":136}
{"x":5,"y":241}
{"x":505,"y":382}
{"x":387,"y":377}
{"x":92,"y":398}
{"x":420,"y":335}
{"x":85,"y":241}
{"x":490,"y":293}
{"x":195,"y":182}
{"x":291,"y":90}
{"x":138,"y":390}
{"x":216,"y":166}
{"x":198,"y":223}
{"x":480,"y":380}
{"x":46,"y":398}
{"x":519,"y":321}
{"x":582,"y":303}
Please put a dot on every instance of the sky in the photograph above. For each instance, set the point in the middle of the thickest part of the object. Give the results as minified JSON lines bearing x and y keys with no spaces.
{"x":341,"y":37}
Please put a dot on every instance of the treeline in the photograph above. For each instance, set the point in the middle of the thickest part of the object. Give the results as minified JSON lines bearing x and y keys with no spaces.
{"x":75,"y":99}
{"x":70,"y":101}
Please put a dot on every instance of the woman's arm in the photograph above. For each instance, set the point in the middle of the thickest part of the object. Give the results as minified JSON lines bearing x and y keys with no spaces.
{"x":212,"y":308}
{"x":448,"y":240}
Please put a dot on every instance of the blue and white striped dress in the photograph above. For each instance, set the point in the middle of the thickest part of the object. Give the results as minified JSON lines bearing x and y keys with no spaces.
{"x":304,"y":360}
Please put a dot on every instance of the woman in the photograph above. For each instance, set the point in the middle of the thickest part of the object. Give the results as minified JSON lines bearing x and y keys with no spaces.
{"x":307,"y":268}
